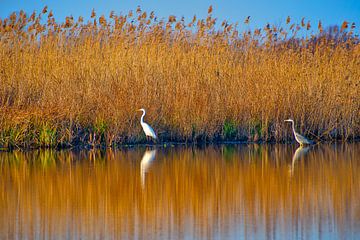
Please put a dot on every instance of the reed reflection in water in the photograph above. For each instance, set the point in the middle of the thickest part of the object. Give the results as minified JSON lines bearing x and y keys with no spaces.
{"x":227,"y":192}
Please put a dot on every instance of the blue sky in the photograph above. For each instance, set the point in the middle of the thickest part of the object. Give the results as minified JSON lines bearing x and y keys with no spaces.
{"x":261,"y":11}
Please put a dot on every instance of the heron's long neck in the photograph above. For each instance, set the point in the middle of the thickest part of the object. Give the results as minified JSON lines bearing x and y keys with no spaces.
{"x":142,"y":117}
{"x":293,"y":126}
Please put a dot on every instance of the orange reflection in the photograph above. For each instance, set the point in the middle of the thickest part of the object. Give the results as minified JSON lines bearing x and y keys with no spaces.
{"x":215,"y":192}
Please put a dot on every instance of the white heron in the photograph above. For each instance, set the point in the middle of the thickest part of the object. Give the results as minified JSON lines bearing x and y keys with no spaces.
{"x":145,"y":163}
{"x":149,"y":132}
{"x":299,"y":138}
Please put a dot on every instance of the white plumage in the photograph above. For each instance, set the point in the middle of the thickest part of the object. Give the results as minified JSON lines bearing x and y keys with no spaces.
{"x":149,"y":132}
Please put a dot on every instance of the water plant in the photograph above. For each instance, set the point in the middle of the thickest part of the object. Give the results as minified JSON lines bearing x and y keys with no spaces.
{"x":83,"y":80}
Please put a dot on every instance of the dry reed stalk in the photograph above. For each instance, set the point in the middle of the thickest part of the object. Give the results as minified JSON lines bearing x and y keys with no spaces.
{"x":197,"y":83}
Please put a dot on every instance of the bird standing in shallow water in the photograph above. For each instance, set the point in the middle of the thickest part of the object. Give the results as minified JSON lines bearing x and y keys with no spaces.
{"x":149,"y":132}
{"x":299,"y":138}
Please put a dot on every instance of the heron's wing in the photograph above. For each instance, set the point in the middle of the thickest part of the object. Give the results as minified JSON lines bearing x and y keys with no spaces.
{"x":303,"y":139}
{"x":148,"y":130}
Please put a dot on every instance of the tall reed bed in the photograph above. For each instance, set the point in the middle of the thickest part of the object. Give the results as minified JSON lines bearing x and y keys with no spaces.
{"x":76,"y":82}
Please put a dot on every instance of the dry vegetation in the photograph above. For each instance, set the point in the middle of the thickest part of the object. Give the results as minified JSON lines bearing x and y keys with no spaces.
{"x":79,"y":82}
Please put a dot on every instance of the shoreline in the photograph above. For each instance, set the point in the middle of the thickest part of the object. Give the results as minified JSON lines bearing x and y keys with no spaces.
{"x":168,"y":144}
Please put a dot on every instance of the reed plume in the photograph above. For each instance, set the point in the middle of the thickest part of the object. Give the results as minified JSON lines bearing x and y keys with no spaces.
{"x":73,"y":82}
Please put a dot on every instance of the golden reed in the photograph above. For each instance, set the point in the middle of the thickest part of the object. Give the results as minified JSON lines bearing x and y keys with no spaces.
{"x":72,"y":82}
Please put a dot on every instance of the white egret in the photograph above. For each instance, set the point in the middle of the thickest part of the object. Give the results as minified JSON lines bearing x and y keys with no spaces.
{"x":149,"y":132}
{"x":299,"y":138}
{"x":145,"y":163}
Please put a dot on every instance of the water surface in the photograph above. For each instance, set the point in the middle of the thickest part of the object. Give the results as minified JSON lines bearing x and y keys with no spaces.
{"x":215,"y":192}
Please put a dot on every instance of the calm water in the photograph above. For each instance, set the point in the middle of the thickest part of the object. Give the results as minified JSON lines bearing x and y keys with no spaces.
{"x":217,"y":192}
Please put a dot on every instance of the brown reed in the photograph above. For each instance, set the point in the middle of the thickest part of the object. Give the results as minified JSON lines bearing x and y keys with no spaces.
{"x":72,"y":82}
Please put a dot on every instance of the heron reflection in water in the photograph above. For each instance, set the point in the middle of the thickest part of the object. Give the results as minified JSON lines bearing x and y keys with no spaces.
{"x":145,"y":163}
{"x":298,"y":154}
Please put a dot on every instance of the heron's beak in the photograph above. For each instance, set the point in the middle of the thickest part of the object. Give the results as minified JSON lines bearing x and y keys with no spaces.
{"x":138,"y":110}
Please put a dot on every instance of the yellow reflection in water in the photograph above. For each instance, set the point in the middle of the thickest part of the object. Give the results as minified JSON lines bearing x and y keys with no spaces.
{"x":215,"y":192}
